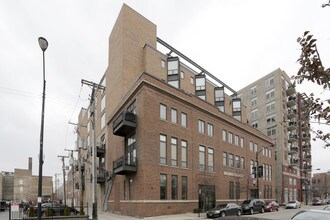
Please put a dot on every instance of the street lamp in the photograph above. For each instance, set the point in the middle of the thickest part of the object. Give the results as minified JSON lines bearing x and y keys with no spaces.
{"x":43,"y":43}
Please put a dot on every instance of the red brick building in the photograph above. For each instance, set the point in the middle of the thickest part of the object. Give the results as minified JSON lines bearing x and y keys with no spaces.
{"x":174,"y":139}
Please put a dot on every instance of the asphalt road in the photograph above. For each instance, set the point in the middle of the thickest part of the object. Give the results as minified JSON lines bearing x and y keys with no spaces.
{"x":4,"y":215}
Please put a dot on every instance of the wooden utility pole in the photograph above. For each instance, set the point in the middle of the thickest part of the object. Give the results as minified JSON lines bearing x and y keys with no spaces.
{"x":95,"y":88}
{"x":63,"y":168}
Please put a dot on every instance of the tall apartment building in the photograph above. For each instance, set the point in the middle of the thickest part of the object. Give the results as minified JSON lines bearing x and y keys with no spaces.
{"x":169,"y":138}
{"x":274,"y":108}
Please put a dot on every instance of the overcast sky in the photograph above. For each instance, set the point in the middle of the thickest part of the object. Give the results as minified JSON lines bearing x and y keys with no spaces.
{"x":238,"y":41}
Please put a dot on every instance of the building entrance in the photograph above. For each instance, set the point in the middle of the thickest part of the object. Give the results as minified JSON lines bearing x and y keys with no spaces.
{"x":206,"y":197}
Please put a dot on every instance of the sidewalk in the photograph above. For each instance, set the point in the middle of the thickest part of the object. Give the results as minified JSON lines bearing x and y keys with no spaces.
{"x":187,"y":216}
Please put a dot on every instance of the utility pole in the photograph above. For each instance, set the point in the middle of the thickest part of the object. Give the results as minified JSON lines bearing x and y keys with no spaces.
{"x":81,"y":201}
{"x":63,"y":168}
{"x":95,"y":88}
{"x":56,"y":184}
{"x":72,"y":167}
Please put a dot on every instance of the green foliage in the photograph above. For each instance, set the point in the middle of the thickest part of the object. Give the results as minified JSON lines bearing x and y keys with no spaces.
{"x":49,"y":212}
{"x":81,"y":211}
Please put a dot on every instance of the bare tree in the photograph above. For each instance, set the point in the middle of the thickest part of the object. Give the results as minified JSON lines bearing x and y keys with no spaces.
{"x":312,"y":69}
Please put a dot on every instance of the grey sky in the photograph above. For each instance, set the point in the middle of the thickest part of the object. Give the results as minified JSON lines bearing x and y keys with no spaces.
{"x":238,"y":41}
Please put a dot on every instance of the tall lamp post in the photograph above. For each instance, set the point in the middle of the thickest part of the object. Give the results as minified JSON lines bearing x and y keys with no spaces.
{"x":43,"y":43}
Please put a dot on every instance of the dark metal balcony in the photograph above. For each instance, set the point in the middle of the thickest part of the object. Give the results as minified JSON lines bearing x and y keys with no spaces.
{"x":293,"y":150}
{"x":124,"y":124}
{"x":292,"y":113}
{"x":306,"y":137}
{"x":306,"y":146}
{"x":305,"y":127}
{"x":307,"y":167}
{"x":291,"y":90}
{"x":293,"y":138}
{"x":124,"y":165}
{"x":292,"y":126}
{"x":100,"y":151}
{"x":308,"y":157}
{"x":291,"y":102}
{"x":293,"y":162}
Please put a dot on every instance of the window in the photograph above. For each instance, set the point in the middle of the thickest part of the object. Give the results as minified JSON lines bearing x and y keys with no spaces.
{"x":269,"y":82}
{"x":132,"y":107}
{"x":174,"y":187}
{"x":270,"y":107}
{"x":200,"y":83}
{"x":182,"y":74}
{"x":88,"y":126}
{"x":270,"y":172}
{"x":201,"y":158}
{"x":237,"y":162}
{"x":271,"y":131}
{"x":184,"y":154}
{"x":230,"y":138}
{"x":270,"y":153}
{"x":21,"y":189}
{"x":210,"y":130}
{"x":201,"y":126}
{"x":174,"y":152}
{"x":231,"y":160}
{"x":238,"y":190}
{"x":254,"y":114}
{"x":242,"y":142}
{"x":210,"y":160}
{"x":236,"y":105}
{"x":270,"y":94}
{"x":231,"y":190}
{"x":174,"y":116}
{"x":236,"y":140}
{"x":254,"y":102}
{"x":224,"y":135}
{"x":254,"y":90}
{"x":192,"y":80}
{"x":131,"y":150}
{"x":173,"y":67}
{"x":224,"y":159}
{"x":219,"y":95}
{"x":162,"y":149}
{"x":103,"y":121}
{"x":103,"y":103}
{"x":251,"y":167}
{"x":271,"y":119}
{"x":251,"y":146}
{"x":255,"y":147}
{"x":162,"y":111}
{"x":242,"y":163}
{"x":20,"y":182}
{"x":184,"y":189}
{"x":254,"y":124}
{"x":162,"y":63}
{"x":183,"y":119}
{"x":163,"y":186}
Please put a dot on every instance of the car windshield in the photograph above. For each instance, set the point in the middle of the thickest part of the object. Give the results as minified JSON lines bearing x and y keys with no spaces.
{"x":246,"y":202}
{"x":292,"y":202}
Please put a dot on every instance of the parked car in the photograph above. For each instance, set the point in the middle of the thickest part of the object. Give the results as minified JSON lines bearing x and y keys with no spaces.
{"x":222,"y":210}
{"x":56,"y":209}
{"x":294,"y":204}
{"x":317,"y":202}
{"x":252,"y":206}
{"x":3,"y":205}
{"x":311,"y":215}
{"x":271,"y":206}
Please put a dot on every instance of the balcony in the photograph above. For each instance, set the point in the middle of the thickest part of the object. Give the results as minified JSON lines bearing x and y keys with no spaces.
{"x":100,"y":151}
{"x":305,"y":117}
{"x":292,"y":138}
{"x":292,"y":125}
{"x":124,"y":124}
{"x":291,"y":90}
{"x":306,"y":146}
{"x":293,"y":162}
{"x":292,"y":113}
{"x":293,"y":150}
{"x":305,"y":127}
{"x":307,"y":167}
{"x":306,"y":137}
{"x":291,"y":102}
{"x":307,"y":157}
{"x":124,"y":165}
{"x":101,"y":174}
{"x":82,"y":167}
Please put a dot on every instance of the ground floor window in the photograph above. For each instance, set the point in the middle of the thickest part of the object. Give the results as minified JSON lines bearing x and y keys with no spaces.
{"x":163,"y":188}
{"x":174,"y":187}
{"x":184,"y":188}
